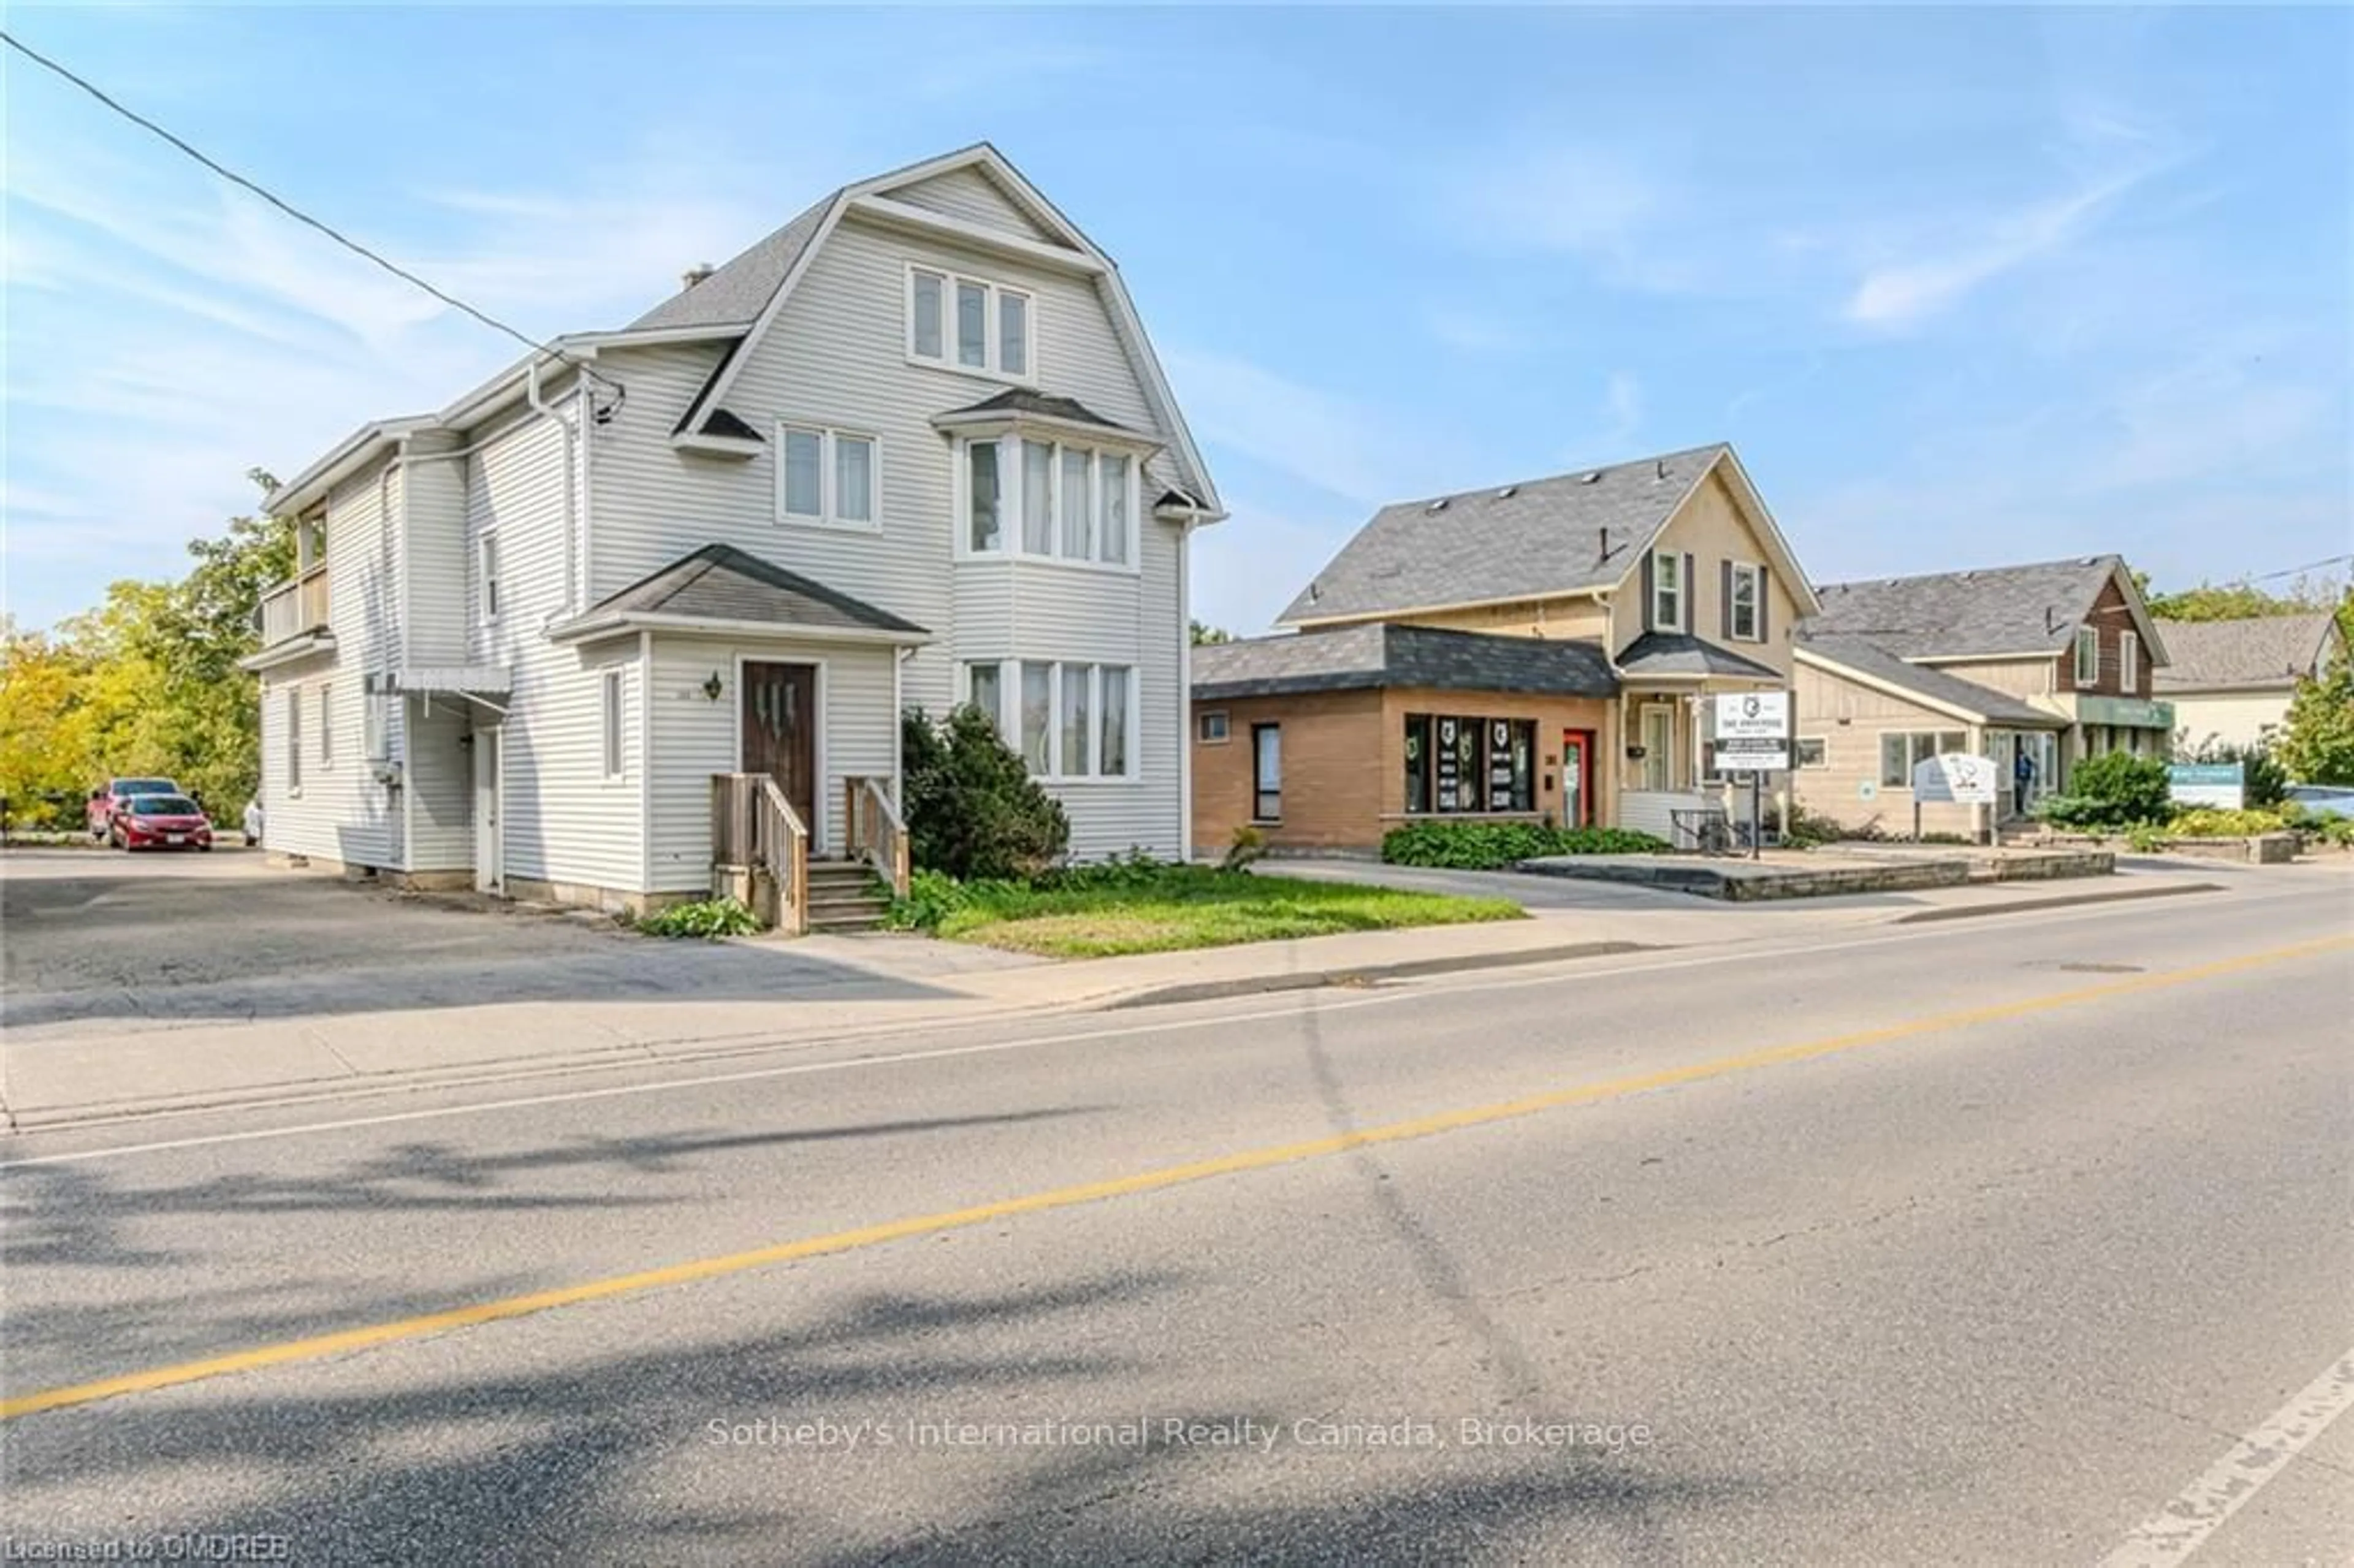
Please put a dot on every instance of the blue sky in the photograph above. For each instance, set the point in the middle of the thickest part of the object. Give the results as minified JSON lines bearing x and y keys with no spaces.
{"x":1963,"y":287}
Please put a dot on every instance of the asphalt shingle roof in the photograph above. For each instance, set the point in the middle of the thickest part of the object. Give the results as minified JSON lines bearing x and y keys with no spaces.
{"x":1871,"y":659}
{"x":1512,"y":541}
{"x":2265,"y":651}
{"x":1022,"y":400}
{"x":720,"y":582}
{"x":736,"y":293}
{"x":1997,"y":609}
{"x":1682,"y":653}
{"x":1379,"y":653}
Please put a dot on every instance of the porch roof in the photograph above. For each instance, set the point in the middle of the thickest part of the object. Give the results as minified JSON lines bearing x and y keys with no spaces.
{"x":722,"y":589}
{"x":1679,"y":655}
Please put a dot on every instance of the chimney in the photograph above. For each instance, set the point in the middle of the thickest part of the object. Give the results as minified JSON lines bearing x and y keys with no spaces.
{"x":693,"y":275}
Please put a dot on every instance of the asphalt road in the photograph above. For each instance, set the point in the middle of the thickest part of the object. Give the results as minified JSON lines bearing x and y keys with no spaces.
{"x":1980,"y":1243}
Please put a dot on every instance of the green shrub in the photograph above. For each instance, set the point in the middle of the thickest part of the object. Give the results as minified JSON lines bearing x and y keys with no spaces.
{"x":973,"y":811}
{"x":1487,"y":846}
{"x":932,"y":896}
{"x":1249,"y":845}
{"x":2114,"y":789}
{"x":709,"y":918}
{"x":1804,"y":829}
{"x":2146,"y":838}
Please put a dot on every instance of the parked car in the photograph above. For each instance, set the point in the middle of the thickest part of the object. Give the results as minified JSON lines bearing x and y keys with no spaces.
{"x":2331,"y":799}
{"x":161,"y":821}
{"x":109,"y":799}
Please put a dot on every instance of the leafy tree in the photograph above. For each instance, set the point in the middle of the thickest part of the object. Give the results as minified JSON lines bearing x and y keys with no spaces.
{"x":2316,"y":743}
{"x":1204,"y":633}
{"x":973,"y":811}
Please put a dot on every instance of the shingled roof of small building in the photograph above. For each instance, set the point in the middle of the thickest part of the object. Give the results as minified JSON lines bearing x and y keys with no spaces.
{"x":1526,"y":540}
{"x":1876,"y":666}
{"x":2032,"y":608}
{"x":1385,"y":654}
{"x":2260,"y":652}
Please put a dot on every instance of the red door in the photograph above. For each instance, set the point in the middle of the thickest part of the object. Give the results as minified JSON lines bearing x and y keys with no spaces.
{"x":780,"y":729}
{"x":1576,"y":778}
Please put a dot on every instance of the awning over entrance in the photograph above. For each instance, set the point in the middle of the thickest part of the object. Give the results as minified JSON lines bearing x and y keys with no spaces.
{"x":1680,"y":656}
{"x":455,"y":680}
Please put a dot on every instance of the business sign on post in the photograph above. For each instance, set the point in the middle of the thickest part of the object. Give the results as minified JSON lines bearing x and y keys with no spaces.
{"x":2223,"y":784}
{"x":1752,"y":731}
{"x":1955,"y":779}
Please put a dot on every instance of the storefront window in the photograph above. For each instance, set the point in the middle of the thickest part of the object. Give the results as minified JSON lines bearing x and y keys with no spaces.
{"x":1455,"y":763}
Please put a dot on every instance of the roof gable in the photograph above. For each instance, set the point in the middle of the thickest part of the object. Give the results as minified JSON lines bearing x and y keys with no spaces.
{"x":1861,"y":660}
{"x":2260,"y":651}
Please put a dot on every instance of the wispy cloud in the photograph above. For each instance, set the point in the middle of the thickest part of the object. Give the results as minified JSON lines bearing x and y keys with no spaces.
{"x":1621,"y":216}
{"x":1899,"y":294}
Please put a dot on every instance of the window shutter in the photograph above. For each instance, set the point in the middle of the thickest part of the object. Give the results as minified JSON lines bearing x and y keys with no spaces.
{"x":1724,"y":600}
{"x":1764,"y":632}
{"x":1651,"y":594}
{"x":1684,"y":596}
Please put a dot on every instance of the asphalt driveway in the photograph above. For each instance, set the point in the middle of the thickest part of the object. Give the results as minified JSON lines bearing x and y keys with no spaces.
{"x":92,"y":938}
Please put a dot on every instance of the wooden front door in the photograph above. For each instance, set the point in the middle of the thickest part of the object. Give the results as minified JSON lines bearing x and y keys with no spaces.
{"x":779,"y":730}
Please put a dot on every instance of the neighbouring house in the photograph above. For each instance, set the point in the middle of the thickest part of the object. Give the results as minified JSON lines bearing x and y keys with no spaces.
{"x":1536,"y":652}
{"x":646,"y":609}
{"x":2054,"y":660}
{"x":2230,"y":681}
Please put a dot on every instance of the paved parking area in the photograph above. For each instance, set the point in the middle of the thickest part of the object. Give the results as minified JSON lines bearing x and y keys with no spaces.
{"x":95,"y":940}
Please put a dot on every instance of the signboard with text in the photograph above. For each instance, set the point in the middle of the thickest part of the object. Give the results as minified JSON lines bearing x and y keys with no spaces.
{"x":1955,"y":779}
{"x":1752,"y":731}
{"x":2220,"y":784}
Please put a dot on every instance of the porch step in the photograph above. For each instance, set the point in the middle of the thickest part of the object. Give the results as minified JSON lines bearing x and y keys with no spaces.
{"x":843,"y":896}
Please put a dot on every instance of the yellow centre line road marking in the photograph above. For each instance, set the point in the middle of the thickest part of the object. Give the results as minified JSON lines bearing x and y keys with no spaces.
{"x":350,"y":1339}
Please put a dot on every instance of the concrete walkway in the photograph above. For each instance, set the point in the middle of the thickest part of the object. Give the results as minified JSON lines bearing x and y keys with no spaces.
{"x":618,"y":998}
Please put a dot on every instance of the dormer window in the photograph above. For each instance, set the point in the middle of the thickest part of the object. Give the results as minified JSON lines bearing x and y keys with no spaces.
{"x":969,"y":323}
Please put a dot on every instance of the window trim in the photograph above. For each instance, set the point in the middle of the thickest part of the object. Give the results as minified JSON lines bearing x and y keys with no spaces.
{"x":1681,"y":620}
{"x":2088,"y":640}
{"x":487,"y":582}
{"x":1755,"y":572}
{"x":829,"y":478}
{"x":613,"y":749}
{"x":992,"y":344}
{"x":1225,"y":724}
{"x":1013,"y":502}
{"x":1822,"y":750}
{"x":1009,"y":726}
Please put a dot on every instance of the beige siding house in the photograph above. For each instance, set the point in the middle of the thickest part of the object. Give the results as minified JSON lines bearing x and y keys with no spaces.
{"x":911,"y":449}
{"x":2230,"y":681}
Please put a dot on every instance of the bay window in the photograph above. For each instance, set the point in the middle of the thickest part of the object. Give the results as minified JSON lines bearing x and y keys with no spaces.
{"x":825,"y":476}
{"x":1076,"y":502}
{"x":1074,"y":721}
{"x":969,"y":323}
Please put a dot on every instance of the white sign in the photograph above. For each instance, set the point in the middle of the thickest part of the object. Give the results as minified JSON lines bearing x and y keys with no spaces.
{"x":1752,"y":715}
{"x":1956,"y":779}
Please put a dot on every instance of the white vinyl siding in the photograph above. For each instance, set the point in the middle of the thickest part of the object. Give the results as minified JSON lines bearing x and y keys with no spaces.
{"x":968,"y":196}
{"x":695,"y":736}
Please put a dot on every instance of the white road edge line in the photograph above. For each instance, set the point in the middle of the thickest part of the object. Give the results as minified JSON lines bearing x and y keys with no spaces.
{"x":2171,"y":1535}
{"x":1735,"y":953}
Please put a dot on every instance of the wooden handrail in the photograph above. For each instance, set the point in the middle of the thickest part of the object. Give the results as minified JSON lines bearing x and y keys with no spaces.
{"x":877,"y":835}
{"x":753,"y":824}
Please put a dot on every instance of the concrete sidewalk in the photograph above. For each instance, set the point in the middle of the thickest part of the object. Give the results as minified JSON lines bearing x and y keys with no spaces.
{"x":890,"y":984}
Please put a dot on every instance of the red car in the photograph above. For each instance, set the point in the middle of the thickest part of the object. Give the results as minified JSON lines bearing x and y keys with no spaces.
{"x":109,"y":799}
{"x":161,"y":821}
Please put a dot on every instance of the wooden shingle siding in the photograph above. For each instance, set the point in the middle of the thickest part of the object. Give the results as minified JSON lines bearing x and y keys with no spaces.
{"x":2111,"y":617}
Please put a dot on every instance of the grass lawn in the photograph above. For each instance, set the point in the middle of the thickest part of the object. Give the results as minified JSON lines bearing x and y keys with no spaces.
{"x":1191,"y":906}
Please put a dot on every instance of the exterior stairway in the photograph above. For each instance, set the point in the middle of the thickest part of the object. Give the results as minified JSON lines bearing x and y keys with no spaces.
{"x":846,"y":895}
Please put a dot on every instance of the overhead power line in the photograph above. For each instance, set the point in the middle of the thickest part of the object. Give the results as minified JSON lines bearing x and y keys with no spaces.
{"x":289,"y":208}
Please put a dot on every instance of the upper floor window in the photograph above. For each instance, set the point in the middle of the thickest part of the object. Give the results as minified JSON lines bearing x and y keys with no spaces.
{"x":969,"y":323}
{"x":2088,"y":656}
{"x":1076,"y":503}
{"x":825,"y":476}
{"x":2129,"y":661}
{"x":487,"y":563}
{"x":1745,"y":602}
{"x":311,"y":541}
{"x":1667,"y":590}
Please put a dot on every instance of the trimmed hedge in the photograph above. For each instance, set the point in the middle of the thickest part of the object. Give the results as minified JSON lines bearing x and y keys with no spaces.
{"x":1489,"y":846}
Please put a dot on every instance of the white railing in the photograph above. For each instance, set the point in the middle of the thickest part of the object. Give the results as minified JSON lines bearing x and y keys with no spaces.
{"x":755,"y":826}
{"x":877,"y":836}
{"x":292,"y":609}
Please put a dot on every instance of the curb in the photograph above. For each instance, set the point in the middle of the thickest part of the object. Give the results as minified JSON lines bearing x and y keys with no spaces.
{"x":1365,"y":974}
{"x":2022,"y":905}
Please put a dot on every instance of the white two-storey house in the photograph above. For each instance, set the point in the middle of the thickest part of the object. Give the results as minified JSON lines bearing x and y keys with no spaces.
{"x":650,"y":604}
